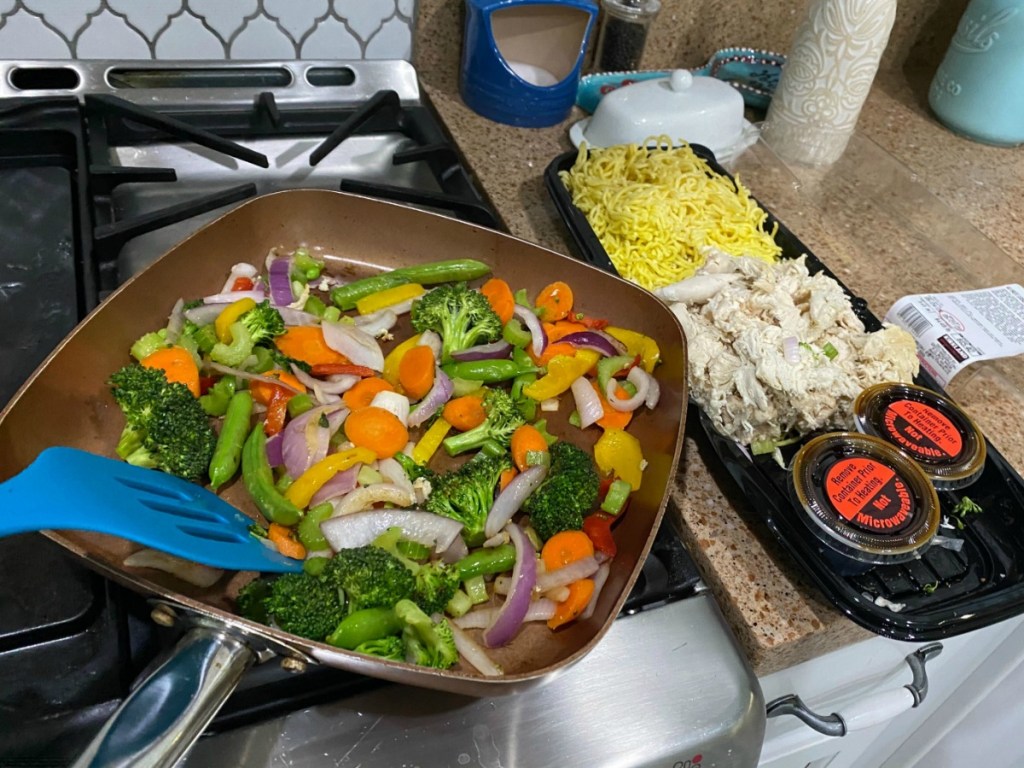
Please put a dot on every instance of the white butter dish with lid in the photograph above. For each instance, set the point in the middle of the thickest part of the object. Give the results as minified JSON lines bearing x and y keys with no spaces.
{"x":696,"y":109}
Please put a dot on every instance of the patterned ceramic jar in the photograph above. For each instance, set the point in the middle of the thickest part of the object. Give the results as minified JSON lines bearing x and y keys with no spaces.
{"x":978,"y":90}
{"x":826,"y":78}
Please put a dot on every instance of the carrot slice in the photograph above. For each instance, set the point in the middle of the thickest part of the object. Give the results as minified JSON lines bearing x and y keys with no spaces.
{"x":363,"y":392}
{"x":506,"y":477}
{"x":569,"y":609}
{"x":556,"y":331}
{"x":263,"y":391}
{"x":552,"y":351}
{"x":284,"y":539}
{"x":612,"y":419}
{"x":306,"y":343}
{"x":555,"y":300}
{"x":500,"y":296}
{"x":564,"y":548}
{"x":177,"y":364}
{"x":525,"y":440}
{"x":416,"y":371}
{"x":378,"y":430}
{"x":465,"y":413}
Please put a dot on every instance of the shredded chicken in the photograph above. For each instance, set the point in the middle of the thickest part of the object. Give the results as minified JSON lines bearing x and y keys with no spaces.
{"x":741,"y":314}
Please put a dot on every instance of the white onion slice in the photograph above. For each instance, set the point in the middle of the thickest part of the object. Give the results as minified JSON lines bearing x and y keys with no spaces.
{"x":364,"y":498}
{"x":377,"y":322}
{"x":395,"y":403}
{"x":642,"y":381}
{"x":474,"y":654}
{"x":512,"y":497}
{"x":297,"y":316}
{"x":600,"y":577}
{"x":574,"y":571}
{"x":431,"y":339}
{"x":393,"y":472}
{"x":242,"y":269}
{"x":204,"y":314}
{"x":541,"y":609}
{"x":194,"y":573}
{"x":175,"y":321}
{"x":335,"y":387}
{"x":456,"y":551}
{"x":227,"y":370}
{"x":232,"y":296}
{"x":538,"y":339}
{"x":588,"y":404}
{"x":355,"y":344}
{"x":361,"y":528}
{"x":524,"y":576}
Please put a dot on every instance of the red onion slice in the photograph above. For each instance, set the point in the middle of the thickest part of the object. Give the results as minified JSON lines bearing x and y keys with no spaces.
{"x":541,"y":609}
{"x":591,"y":340}
{"x":512,"y":612}
{"x":588,"y":404}
{"x":641,"y":380}
{"x":361,"y":528}
{"x":281,"y":282}
{"x":538,"y":339}
{"x":274,"y":453}
{"x":511,"y":499}
{"x":305,"y":442}
{"x":496,"y":350}
{"x":354,"y":343}
{"x":343,"y":482}
{"x":574,"y":571}
{"x":438,"y":395}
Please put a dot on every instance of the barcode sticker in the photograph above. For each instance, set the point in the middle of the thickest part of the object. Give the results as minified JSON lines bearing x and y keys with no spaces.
{"x":954,"y":330}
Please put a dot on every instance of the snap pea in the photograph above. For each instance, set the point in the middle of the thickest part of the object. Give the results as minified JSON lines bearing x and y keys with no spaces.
{"x":487,"y":561}
{"x":487,"y":371}
{"x":228,"y":452}
{"x":431,"y":273}
{"x":259,"y":480}
{"x":309,"y":527}
{"x":364,"y":625}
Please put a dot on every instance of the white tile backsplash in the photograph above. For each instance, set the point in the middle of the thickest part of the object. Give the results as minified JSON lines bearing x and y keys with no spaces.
{"x":206,"y":29}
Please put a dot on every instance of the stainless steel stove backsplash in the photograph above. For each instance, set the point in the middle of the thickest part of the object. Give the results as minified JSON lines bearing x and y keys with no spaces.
{"x":207,"y":29}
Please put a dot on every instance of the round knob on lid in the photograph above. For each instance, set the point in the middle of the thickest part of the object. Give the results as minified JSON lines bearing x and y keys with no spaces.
{"x":680,"y":79}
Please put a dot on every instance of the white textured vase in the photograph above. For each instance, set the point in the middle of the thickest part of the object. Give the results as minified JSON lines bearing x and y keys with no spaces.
{"x":826,"y":78}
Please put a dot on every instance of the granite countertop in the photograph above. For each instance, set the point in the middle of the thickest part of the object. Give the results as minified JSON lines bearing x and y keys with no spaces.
{"x":939,"y":207}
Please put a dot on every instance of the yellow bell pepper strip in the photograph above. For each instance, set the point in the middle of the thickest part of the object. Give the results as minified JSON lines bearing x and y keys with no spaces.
{"x":389,"y":297}
{"x":231,"y":313}
{"x":309,"y":482}
{"x":430,"y":442}
{"x":562,"y":372}
{"x":637,"y":344}
{"x":391,"y":362}
{"x":618,"y":453}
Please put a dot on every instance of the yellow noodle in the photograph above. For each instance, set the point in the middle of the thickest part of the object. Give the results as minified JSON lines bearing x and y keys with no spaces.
{"x":655,"y":210}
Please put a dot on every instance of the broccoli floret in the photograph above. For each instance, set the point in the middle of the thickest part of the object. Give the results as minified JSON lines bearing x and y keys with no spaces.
{"x":462,"y":317}
{"x":467,"y":494}
{"x":370,"y":577}
{"x":251,"y":600}
{"x":148,"y":344}
{"x":263,"y":322}
{"x":413,"y":470}
{"x":426,"y":643}
{"x":166,"y":426}
{"x":304,"y":605}
{"x":390,"y":647}
{"x":503,"y":418}
{"x":568,"y":492}
{"x":436,"y":582}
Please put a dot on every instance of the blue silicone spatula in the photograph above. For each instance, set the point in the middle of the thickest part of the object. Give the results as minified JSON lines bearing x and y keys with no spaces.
{"x":70,"y":489}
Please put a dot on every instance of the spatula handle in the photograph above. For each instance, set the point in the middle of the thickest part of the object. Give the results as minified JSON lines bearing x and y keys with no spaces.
{"x":168,"y":710}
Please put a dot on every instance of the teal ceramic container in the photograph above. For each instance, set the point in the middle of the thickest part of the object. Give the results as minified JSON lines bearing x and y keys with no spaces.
{"x":978,"y":90}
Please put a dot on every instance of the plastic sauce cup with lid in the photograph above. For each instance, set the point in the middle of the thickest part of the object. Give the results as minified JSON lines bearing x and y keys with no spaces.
{"x":866,"y":502}
{"x":924,"y":426}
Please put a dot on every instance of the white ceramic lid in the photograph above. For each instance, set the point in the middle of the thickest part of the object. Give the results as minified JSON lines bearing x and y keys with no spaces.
{"x":695,"y":108}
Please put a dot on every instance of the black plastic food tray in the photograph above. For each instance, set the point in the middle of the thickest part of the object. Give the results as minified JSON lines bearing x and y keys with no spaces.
{"x":943,"y":593}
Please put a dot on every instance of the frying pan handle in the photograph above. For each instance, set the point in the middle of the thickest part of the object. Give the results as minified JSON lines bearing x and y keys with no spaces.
{"x":169,"y":709}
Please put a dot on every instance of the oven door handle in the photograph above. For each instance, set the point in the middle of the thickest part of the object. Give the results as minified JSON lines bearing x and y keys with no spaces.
{"x":168,"y":710}
{"x":871,"y":710}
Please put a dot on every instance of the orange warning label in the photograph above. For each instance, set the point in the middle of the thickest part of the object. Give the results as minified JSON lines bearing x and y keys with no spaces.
{"x":869,"y":495}
{"x":922,"y":431}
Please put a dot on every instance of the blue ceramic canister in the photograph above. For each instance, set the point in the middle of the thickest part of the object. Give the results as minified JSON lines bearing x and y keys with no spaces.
{"x":978,"y":90}
{"x":521,"y":59}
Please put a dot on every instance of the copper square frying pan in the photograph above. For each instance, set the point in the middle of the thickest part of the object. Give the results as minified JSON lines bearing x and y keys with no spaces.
{"x":66,"y":402}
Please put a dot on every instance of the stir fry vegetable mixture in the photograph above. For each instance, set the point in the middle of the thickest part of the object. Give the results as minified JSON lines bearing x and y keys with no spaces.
{"x":297,"y":384}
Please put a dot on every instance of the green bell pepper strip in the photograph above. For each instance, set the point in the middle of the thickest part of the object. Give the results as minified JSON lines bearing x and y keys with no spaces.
{"x":259,"y":480}
{"x":487,"y":371}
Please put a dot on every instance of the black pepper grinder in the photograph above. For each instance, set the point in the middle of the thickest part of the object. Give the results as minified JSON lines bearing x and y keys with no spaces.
{"x":623,"y":34}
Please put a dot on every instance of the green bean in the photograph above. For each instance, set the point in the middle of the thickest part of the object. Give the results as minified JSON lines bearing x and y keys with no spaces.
{"x":259,"y":480}
{"x":233,"y":430}
{"x":364,"y":625}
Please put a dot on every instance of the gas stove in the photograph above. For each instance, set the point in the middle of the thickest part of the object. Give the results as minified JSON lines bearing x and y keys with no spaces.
{"x":103,"y":167}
